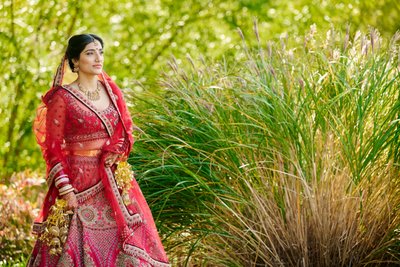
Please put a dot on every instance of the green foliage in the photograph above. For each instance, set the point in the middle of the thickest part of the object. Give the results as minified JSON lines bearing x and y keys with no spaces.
{"x":280,"y":157}
{"x":140,"y":38}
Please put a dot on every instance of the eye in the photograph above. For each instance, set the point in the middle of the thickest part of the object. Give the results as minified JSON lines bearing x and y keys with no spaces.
{"x":89,"y":53}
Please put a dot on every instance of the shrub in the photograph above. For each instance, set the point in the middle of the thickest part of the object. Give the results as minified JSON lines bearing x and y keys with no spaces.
{"x":19,"y":205}
{"x":285,"y":156}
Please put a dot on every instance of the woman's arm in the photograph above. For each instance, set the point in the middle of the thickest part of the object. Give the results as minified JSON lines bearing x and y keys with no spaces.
{"x":58,"y":172}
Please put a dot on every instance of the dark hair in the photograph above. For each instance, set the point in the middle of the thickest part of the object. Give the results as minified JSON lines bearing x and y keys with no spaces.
{"x":77,"y":43}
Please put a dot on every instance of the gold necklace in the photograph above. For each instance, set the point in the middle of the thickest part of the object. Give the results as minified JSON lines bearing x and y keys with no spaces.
{"x":92,"y":95}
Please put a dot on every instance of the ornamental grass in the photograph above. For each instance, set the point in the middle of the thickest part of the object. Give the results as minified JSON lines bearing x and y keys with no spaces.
{"x":286,"y":155}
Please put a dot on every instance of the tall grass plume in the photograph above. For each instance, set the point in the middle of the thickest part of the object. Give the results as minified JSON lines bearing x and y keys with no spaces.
{"x":287,"y":155}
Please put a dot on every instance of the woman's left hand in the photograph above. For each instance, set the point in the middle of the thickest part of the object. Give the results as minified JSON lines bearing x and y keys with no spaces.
{"x":111,"y":159}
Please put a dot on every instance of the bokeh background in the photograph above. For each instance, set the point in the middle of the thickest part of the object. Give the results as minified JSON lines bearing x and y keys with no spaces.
{"x":269,"y":128}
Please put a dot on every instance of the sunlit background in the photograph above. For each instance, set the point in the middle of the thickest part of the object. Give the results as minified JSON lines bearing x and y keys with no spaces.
{"x":142,"y":38}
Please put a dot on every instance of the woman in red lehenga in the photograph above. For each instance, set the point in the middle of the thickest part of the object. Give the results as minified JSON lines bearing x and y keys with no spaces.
{"x":84,"y":130}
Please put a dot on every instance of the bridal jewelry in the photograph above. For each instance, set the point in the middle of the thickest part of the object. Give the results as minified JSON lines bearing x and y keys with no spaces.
{"x":56,"y":227}
{"x":124,"y":176}
{"x":92,"y":95}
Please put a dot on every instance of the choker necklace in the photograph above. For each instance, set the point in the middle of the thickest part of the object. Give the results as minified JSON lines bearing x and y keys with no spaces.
{"x":92,"y":95}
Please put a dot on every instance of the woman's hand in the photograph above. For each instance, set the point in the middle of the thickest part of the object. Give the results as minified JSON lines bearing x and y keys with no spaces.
{"x":111,"y":159}
{"x":72,"y":202}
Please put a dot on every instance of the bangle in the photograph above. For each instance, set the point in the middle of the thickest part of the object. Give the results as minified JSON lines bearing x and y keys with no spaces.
{"x":62,"y":189}
{"x":61,"y":177}
{"x":65,"y":189}
{"x":63,"y":185}
{"x":64,"y":180}
{"x":62,"y":174}
{"x":66,"y":192}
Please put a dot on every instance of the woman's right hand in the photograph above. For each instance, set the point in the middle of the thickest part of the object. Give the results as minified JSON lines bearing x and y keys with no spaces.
{"x":72,"y":202}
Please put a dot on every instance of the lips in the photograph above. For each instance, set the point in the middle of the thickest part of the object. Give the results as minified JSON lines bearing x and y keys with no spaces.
{"x":98,"y":66}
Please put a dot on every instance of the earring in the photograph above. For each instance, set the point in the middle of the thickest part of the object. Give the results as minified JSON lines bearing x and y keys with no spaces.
{"x":76,"y":69}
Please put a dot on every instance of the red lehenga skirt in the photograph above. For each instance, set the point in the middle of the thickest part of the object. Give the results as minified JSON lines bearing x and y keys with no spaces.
{"x":93,"y":237}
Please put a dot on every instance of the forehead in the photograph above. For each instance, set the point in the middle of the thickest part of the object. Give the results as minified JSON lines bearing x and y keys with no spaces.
{"x":93,"y":45}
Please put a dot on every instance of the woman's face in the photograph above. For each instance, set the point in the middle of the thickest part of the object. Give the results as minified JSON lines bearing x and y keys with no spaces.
{"x":91,"y":59}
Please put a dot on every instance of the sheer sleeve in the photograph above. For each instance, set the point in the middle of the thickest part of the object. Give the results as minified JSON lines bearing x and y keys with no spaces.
{"x":55,"y":124}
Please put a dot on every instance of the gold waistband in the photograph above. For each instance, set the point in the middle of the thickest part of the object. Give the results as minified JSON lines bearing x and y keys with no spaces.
{"x":84,"y":153}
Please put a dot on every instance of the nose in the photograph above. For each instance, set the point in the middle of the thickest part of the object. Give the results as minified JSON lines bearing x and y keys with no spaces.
{"x":98,"y":56}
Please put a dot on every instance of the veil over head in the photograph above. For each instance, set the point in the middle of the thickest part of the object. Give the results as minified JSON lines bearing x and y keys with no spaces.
{"x":39,"y":123}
